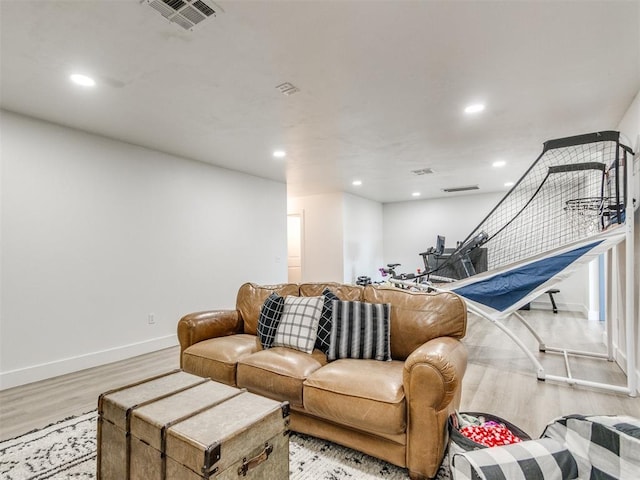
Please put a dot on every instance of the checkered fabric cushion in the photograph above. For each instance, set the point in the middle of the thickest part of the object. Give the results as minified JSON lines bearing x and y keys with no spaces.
{"x":604,"y":447}
{"x":360,"y":330}
{"x":324,"y":327}
{"x":544,"y":459}
{"x":269,"y":319}
{"x":298,"y":327}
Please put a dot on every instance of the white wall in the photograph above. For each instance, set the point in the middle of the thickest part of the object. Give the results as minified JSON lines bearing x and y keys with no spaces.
{"x":362,"y":237}
{"x":322,"y":236}
{"x":412,"y":227}
{"x":97,"y":234}
{"x":342,"y":236}
{"x":629,"y":127}
{"x":574,"y":293}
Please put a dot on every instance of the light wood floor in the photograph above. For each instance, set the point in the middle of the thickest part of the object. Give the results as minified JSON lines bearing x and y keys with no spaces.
{"x":500,"y":379}
{"x":38,"y":404}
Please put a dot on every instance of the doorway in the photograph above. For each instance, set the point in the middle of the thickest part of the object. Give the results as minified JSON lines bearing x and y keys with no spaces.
{"x":294,"y":247}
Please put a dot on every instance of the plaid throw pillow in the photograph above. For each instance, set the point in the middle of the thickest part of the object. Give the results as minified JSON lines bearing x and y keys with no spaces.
{"x":324,"y":327}
{"x":298,"y":327}
{"x":604,"y":447}
{"x":269,"y":318}
{"x":533,"y":459}
{"x":360,"y":330}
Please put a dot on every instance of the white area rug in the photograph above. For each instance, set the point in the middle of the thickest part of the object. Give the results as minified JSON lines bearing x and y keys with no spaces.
{"x":67,"y":450}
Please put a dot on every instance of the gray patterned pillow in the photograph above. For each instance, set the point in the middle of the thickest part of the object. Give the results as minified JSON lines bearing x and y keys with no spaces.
{"x":360,"y":330}
{"x":324,"y":326}
{"x":269,"y":319}
{"x":298,"y":327}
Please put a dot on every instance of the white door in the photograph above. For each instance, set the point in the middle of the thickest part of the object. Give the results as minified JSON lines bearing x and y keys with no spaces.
{"x":294,"y":245}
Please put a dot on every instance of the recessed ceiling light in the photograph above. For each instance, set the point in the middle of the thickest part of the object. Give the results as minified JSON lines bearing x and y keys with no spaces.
{"x":499,"y":163}
{"x":356,"y":183}
{"x":475,"y":108}
{"x":279,"y":154}
{"x":82,"y":80}
{"x":509,"y":184}
{"x":415,"y":194}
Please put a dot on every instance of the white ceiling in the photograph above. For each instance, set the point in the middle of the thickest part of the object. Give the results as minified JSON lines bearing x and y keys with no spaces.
{"x":383,"y":84}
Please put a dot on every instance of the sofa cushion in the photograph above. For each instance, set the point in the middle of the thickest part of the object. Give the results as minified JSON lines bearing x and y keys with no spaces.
{"x":298,"y":327}
{"x":217,"y":358}
{"x":323,"y":342}
{"x":417,"y":317}
{"x":251,"y":297}
{"x":359,"y":330}
{"x":364,"y":394}
{"x":278,"y":373}
{"x":269,"y":319}
{"x":343,"y":291}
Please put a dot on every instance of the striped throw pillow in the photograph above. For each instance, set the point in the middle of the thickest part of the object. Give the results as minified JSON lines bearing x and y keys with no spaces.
{"x":360,"y":330}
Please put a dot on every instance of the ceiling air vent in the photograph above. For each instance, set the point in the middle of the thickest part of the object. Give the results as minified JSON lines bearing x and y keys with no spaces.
{"x":186,"y":13}
{"x":460,"y":189}
{"x":423,"y":171}
{"x":287,"y":88}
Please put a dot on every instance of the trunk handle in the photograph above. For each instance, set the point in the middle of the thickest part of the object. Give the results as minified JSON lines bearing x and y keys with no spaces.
{"x":255,"y":461}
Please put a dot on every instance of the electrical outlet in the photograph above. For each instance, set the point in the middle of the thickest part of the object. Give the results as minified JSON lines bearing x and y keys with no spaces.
{"x":151,"y":318}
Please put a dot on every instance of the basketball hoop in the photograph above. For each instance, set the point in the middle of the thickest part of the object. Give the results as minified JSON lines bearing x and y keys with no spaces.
{"x":585,"y":214}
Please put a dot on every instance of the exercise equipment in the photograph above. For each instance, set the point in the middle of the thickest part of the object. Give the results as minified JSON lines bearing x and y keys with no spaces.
{"x":575,"y":202}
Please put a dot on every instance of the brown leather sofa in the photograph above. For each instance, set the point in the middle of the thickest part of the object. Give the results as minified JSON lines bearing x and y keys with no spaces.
{"x":395,"y":410}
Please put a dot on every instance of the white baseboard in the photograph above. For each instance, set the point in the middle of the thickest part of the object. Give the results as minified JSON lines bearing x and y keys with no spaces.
{"x":545,"y":304}
{"x":593,"y":315}
{"x":621,"y":359}
{"x":34,"y":373}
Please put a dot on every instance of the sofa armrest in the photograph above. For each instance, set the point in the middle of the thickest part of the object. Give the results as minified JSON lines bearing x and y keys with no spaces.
{"x":432,"y":379}
{"x":433,"y":372}
{"x":199,"y":326}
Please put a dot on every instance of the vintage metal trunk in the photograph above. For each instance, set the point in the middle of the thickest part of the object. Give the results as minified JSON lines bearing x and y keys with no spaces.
{"x":194,"y":429}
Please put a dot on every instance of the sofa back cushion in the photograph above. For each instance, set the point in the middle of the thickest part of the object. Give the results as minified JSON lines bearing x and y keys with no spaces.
{"x":343,"y":292}
{"x":251,"y":297}
{"x":417,"y":317}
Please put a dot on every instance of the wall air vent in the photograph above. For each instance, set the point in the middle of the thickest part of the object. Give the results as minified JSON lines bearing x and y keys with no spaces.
{"x":460,"y":189}
{"x":186,"y":13}
{"x":423,"y":171}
